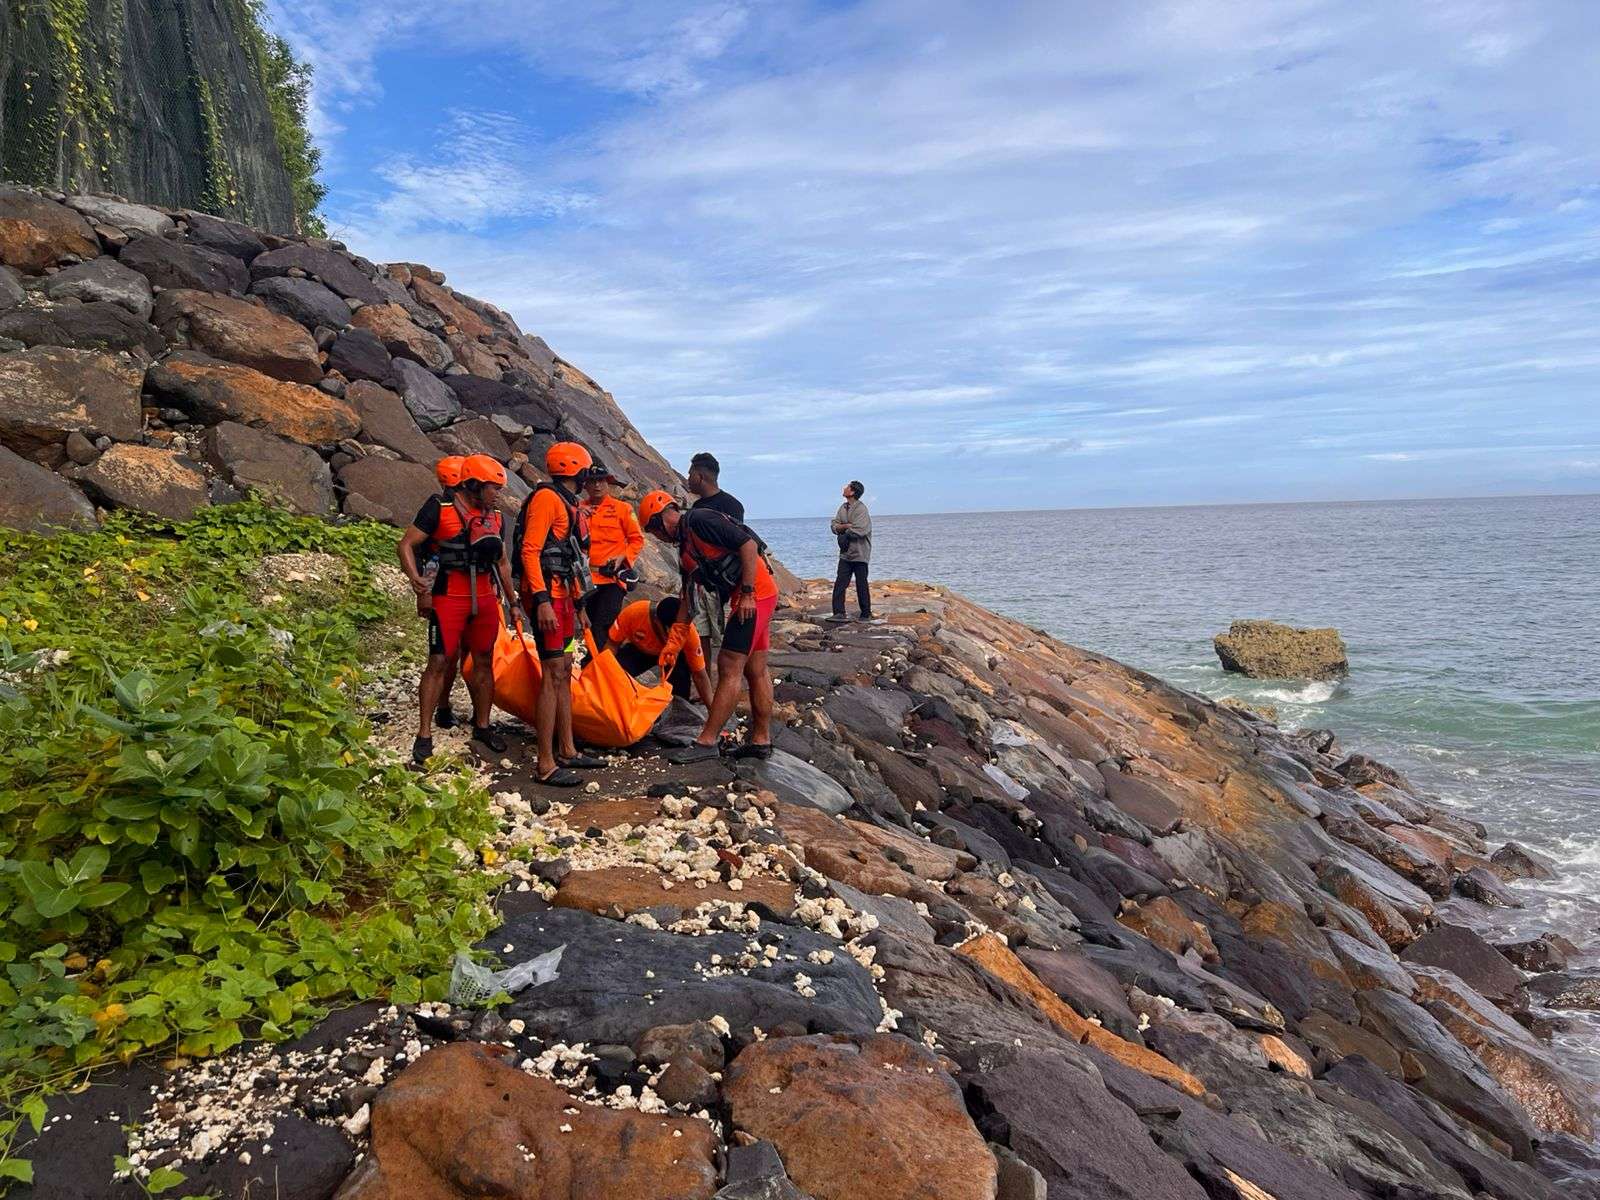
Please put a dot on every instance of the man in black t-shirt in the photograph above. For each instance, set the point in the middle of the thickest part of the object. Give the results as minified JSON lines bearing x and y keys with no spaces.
{"x":702,"y":484}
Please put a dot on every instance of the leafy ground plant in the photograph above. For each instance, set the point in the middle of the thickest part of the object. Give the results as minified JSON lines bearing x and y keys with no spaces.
{"x":199,"y":840}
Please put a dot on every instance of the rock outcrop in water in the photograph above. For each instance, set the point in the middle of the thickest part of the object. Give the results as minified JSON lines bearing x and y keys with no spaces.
{"x":1268,"y":650}
{"x":1000,"y":918}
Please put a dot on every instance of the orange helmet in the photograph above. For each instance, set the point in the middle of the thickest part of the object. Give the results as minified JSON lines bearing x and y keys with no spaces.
{"x":652,"y":506}
{"x":565,"y":459}
{"x":484,"y":469}
{"x":448,"y":469}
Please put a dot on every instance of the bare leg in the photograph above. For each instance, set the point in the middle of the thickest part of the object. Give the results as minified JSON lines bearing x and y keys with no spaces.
{"x":730,"y":674}
{"x":553,"y":683}
{"x":429,"y":691}
{"x":561,"y":669}
{"x":480,"y":686}
{"x":760,"y":680}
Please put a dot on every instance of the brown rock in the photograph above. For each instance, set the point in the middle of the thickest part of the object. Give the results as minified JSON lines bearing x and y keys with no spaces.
{"x":282,"y":472}
{"x":869,"y":1118}
{"x":386,"y":490}
{"x":222,"y":391}
{"x":443,"y":301}
{"x":49,"y":391}
{"x":36,"y":233}
{"x":37,"y":500}
{"x":995,"y":957}
{"x":385,"y":419}
{"x":1268,"y":650}
{"x":460,"y":1125}
{"x":149,"y":479}
{"x":402,"y":337}
{"x":606,"y":891}
{"x":241,"y":332}
{"x":1168,"y":926}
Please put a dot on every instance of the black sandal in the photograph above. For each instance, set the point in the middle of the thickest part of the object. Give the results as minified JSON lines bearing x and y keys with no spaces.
{"x":560,"y":778}
{"x":486,"y":736}
{"x":583,"y":762}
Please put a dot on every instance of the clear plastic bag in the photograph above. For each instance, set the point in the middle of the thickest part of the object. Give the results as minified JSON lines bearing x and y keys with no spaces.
{"x":471,"y":983}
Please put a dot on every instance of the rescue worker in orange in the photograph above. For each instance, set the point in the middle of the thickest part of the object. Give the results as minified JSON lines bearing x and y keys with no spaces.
{"x":722,"y":558}
{"x":554,"y":561}
{"x":467,"y":599}
{"x":639,"y":639}
{"x":615,"y":541}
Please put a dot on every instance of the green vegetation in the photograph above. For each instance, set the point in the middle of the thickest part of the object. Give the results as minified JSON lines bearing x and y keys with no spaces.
{"x":287,"y":83}
{"x":199,"y":839}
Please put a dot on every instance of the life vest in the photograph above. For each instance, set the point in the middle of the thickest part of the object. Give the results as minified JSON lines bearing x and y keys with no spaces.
{"x":476,"y":545}
{"x":559,"y":558}
{"x":713,"y":567}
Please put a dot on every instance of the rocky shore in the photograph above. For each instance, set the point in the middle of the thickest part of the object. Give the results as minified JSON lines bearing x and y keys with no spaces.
{"x":1001,"y":918}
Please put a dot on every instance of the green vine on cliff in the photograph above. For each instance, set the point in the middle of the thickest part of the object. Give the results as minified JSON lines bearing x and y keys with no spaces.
{"x":287,"y":84}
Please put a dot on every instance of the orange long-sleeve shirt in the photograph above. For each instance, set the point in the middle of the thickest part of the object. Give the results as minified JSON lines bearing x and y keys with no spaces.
{"x":547,"y":517}
{"x":613,"y":533}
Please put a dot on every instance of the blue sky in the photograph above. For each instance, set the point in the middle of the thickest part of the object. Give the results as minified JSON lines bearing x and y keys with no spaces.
{"x":1012,"y":255}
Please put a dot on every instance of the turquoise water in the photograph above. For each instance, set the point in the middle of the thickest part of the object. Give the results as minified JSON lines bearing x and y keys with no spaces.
{"x":1473,"y":628}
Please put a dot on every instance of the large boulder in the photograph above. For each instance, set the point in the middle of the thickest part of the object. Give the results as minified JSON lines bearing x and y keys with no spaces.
{"x":130,"y":218}
{"x":491,"y":398}
{"x":102,"y":278}
{"x":333,"y":270}
{"x":386,"y":420}
{"x":222,"y":391}
{"x":359,"y":354}
{"x":1268,"y":650}
{"x":36,"y":233}
{"x":432,"y":404}
{"x":401,"y":336}
{"x":37,"y":500}
{"x":864,"y":1118}
{"x":169,"y":264}
{"x":150,"y":479}
{"x":460,"y":1125}
{"x":240,"y":332}
{"x":94,"y":326}
{"x":218,"y":233}
{"x":385,"y":489}
{"x":48,"y":392}
{"x":1463,"y":953}
{"x":282,"y":472}
{"x":302,"y":300}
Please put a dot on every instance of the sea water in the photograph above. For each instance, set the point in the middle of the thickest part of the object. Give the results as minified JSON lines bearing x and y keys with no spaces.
{"x":1473,"y":628}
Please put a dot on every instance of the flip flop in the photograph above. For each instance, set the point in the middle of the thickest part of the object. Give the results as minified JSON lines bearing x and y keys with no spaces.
{"x":582,"y":762}
{"x":560,"y":778}
{"x":692,"y":753}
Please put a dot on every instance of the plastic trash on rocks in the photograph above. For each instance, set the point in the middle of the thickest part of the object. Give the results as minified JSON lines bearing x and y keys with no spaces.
{"x":471,"y":983}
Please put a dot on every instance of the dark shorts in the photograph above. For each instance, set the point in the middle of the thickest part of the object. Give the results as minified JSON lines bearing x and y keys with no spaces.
{"x":747,"y":637}
{"x":554,"y":643}
{"x":451,"y":624}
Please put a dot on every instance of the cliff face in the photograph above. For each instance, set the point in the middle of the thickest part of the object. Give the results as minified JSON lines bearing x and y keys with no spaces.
{"x":161,"y":99}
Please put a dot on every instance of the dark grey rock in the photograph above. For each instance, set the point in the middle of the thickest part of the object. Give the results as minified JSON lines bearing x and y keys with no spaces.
{"x":603,"y":993}
{"x":334,"y":270}
{"x":429,"y":400}
{"x":169,"y":264}
{"x":493,"y":398}
{"x":302,"y":300}
{"x":38,"y":500}
{"x":103,"y":279}
{"x":283,"y":472}
{"x":360,"y":354}
{"x":1464,"y":953}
